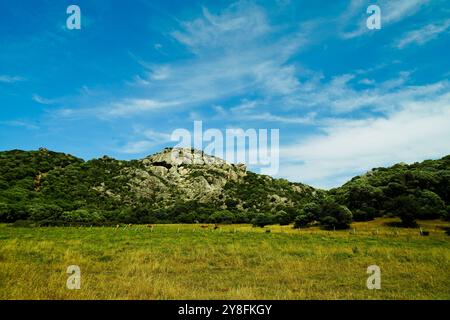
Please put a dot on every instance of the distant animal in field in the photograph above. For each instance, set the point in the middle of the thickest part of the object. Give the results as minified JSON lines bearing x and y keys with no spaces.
{"x":204,"y":226}
{"x":216,"y":226}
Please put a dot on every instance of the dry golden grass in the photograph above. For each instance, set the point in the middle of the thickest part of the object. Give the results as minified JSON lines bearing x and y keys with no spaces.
{"x":233,"y":262}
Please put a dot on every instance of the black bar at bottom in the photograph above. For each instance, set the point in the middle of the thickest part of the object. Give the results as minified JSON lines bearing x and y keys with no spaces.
{"x":227,"y":309}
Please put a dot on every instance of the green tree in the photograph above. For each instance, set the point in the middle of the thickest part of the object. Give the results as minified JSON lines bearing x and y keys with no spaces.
{"x":430,"y":205}
{"x":406,"y":207}
{"x":302,"y":221}
{"x":282,"y":217}
{"x":40,"y":211}
{"x":312,"y":210}
{"x":341,"y":215}
{"x":223,"y":216}
{"x":263,"y":219}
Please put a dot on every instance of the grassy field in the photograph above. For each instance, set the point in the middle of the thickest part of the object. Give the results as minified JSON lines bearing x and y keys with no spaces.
{"x":232,"y":262}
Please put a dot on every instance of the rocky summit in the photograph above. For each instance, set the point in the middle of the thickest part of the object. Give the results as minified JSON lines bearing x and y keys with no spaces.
{"x":183,"y":174}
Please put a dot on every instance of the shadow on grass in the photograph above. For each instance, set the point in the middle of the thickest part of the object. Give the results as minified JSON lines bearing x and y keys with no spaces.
{"x":446,"y":230}
{"x":400,"y":224}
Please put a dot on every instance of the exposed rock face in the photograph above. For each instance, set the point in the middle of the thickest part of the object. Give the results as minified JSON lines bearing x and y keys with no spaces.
{"x":183,"y":156}
{"x":186,"y":173}
{"x":183,"y":175}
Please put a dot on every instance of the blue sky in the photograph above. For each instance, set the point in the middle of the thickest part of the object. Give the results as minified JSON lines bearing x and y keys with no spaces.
{"x":345,"y":98}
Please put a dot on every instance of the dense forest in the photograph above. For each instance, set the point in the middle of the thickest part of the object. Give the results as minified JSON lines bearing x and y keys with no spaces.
{"x":49,"y":188}
{"x":416,"y":191}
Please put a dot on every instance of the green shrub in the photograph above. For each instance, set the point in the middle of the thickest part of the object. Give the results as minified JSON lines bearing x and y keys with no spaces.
{"x":263,"y":219}
{"x":446,"y":215}
{"x":302,"y":221}
{"x":335,"y":216}
{"x":406,"y":207}
{"x":23,"y":224}
{"x":223,"y":216}
{"x":329,"y":222}
{"x":312,"y":209}
{"x":430,"y":205}
{"x":82,"y":215}
{"x":283,"y":218}
{"x":188,"y":217}
{"x":39,"y":212}
{"x":364,"y":214}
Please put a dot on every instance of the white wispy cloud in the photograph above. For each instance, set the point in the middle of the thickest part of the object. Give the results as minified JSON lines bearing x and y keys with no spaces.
{"x":339,"y":95}
{"x":224,"y":29}
{"x":417,"y":131}
{"x":367,"y":81}
{"x":235,"y":51}
{"x":396,"y":10}
{"x":280,"y":119}
{"x":41,"y":100}
{"x":11,"y":79}
{"x":423,"y":35}
{"x":129,"y":107}
{"x":136,"y":147}
{"x":150,"y":139}
{"x":251,"y":111}
{"x":20,"y":123}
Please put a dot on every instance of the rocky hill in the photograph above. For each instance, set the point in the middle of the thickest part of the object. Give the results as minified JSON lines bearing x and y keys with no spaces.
{"x":175,"y":185}
{"x":183,"y":174}
{"x":186,"y":185}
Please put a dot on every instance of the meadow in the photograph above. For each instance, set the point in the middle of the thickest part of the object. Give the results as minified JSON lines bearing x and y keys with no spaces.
{"x":231,"y":262}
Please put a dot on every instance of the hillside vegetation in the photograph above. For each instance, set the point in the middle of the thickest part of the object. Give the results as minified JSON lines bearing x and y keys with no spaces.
{"x":416,"y":191}
{"x":50,"y":188}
